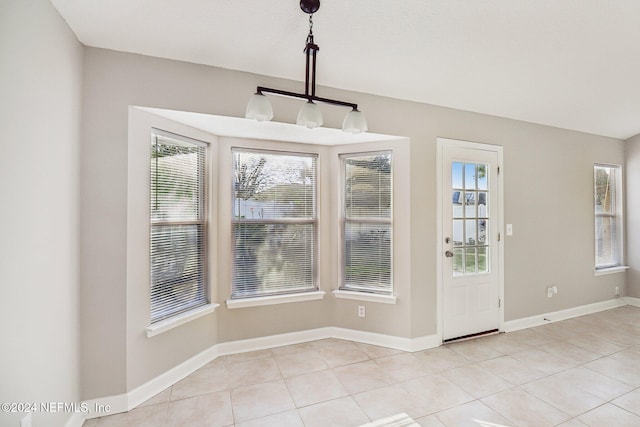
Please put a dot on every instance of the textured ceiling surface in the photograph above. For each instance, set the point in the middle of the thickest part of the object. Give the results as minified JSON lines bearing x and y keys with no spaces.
{"x":573,"y":64}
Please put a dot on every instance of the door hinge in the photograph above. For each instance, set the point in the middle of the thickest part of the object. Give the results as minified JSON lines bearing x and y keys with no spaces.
{"x":498,"y":236}
{"x":499,"y":302}
{"x":498,"y":170}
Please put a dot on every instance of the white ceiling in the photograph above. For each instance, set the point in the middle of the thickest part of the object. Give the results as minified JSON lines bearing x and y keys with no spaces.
{"x":568,"y":63}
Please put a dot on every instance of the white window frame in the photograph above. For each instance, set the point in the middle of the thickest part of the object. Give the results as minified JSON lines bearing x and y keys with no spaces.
{"x":203,"y":305}
{"x":618,"y":215}
{"x":285,"y":295}
{"x":344,"y":290}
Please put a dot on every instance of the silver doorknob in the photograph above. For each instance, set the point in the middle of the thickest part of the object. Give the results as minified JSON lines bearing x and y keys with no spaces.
{"x":448,"y":254}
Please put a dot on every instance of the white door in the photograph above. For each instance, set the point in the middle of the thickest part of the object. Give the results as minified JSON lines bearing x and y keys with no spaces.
{"x":470,"y":231}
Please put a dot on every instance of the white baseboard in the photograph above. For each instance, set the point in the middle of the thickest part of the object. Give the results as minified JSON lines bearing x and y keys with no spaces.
{"x":149,"y":389}
{"x":632,"y":301}
{"x":556,"y":316}
{"x":272,"y":341}
{"x":128,"y":401}
{"x":399,"y":343}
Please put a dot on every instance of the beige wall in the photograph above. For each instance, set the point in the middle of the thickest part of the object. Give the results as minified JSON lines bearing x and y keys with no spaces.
{"x":548,"y":199}
{"x":40,"y":87}
{"x":632,"y":181}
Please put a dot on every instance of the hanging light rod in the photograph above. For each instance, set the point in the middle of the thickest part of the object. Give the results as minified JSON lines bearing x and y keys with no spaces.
{"x":259,"y":107}
{"x":262,"y":89}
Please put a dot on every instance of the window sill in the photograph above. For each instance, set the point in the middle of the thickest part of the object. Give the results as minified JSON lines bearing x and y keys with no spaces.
{"x":611,"y":270}
{"x":180,"y":319}
{"x":274,"y":299}
{"x":363,"y":296}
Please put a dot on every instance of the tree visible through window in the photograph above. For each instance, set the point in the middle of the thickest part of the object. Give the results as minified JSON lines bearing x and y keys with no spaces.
{"x":367,"y":223}
{"x":178,"y":226}
{"x":608,"y":216}
{"x":274,"y":223}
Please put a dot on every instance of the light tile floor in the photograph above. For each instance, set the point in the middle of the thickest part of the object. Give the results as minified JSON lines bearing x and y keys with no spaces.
{"x":583,"y":371}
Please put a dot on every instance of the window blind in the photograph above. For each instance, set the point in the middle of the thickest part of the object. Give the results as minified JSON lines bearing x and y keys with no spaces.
{"x":367,"y":223}
{"x":607,"y":216}
{"x":178,"y":226}
{"x":274,"y":223}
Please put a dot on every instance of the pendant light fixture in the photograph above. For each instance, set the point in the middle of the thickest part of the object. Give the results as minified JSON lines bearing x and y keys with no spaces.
{"x":310,"y":116}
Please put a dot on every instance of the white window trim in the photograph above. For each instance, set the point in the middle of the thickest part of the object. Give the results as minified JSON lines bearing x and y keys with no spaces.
{"x":274,"y":299}
{"x":179,"y":319}
{"x":620,"y":221}
{"x":206,"y":219}
{"x":259,"y":300}
{"x":610,"y":270}
{"x":350,"y":293}
{"x":364,"y":296}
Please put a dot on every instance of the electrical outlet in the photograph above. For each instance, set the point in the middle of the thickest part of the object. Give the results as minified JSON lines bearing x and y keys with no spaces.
{"x":551,"y":291}
{"x":617,"y":291}
{"x":361,"y":311}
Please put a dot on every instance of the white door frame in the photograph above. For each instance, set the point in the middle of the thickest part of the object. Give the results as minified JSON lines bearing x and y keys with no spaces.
{"x":441,"y":143}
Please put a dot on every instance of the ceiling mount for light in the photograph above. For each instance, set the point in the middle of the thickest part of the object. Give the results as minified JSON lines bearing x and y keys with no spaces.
{"x":259,"y":107}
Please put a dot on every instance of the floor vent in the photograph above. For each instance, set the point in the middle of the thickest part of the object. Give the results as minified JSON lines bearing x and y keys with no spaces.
{"x":470,"y":336}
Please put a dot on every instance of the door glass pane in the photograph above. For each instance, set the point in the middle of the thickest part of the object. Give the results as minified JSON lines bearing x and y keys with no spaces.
{"x":458,"y":232}
{"x":470,"y":218}
{"x":470,"y":176}
{"x":457,"y":201}
{"x":482,"y":231}
{"x":483,"y":255}
{"x":483,"y":172}
{"x":470,"y":232}
{"x":456,"y":175}
{"x":458,"y":268}
{"x":483,"y":212}
{"x":470,"y":204}
{"x":470,"y":261}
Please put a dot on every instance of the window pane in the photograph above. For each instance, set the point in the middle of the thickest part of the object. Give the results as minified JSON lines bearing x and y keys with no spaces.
{"x":177,"y":269}
{"x":176,"y":173}
{"x":470,"y":261}
{"x":458,"y":232}
{"x":604,"y":190}
{"x":457,"y":200}
{"x":178,"y":226}
{"x":470,"y":221}
{"x":274,"y":223}
{"x":606,"y":241}
{"x":367,"y":226}
{"x":470,"y":204}
{"x":483,"y":256}
{"x":482,"y":231}
{"x":608,"y":216}
{"x":470,"y":176}
{"x":368,"y":186}
{"x":274,"y":186}
{"x":470,"y":232}
{"x":482,"y":205}
{"x":456,"y":175}
{"x":273,"y":258}
{"x":368,"y":256}
{"x":483,"y":177}
{"x":458,"y":267}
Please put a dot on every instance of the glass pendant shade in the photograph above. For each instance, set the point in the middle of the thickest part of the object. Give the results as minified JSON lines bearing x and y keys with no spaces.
{"x":355,"y":122}
{"x":259,"y":108}
{"x":310,"y":115}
